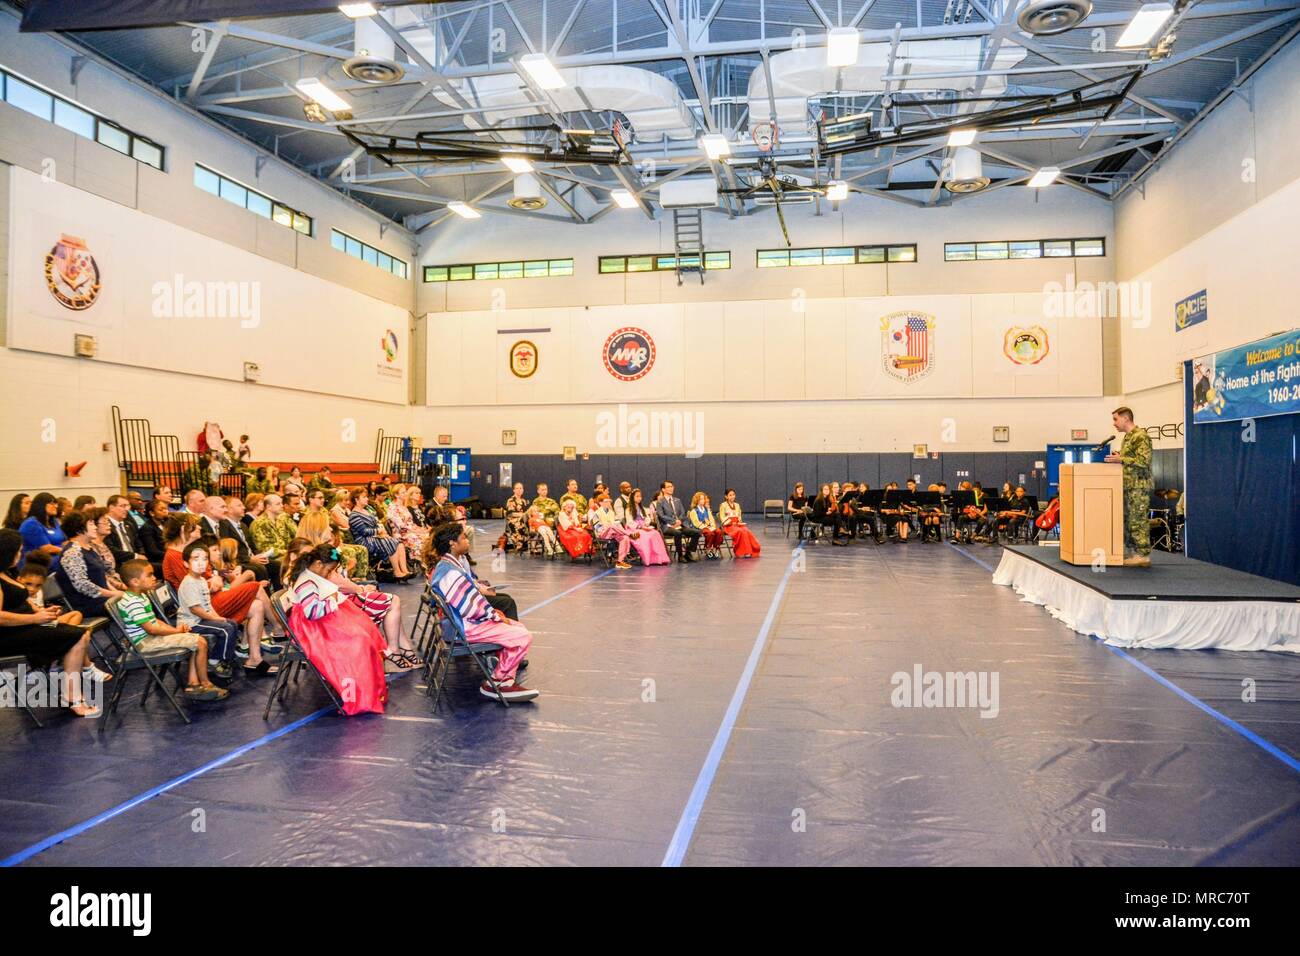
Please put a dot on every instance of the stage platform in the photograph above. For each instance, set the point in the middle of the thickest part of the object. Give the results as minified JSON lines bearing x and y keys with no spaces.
{"x":1178,"y":602}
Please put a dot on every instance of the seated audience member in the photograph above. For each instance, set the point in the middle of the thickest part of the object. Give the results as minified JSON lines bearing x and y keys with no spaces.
{"x":403,"y":528}
{"x":273,"y":479}
{"x":605,"y":527}
{"x":972,"y":517}
{"x":272,"y":532}
{"x":19,"y":507}
{"x":538,"y":526}
{"x":293,"y":484}
{"x":147,"y":633}
{"x":151,"y":533}
{"x":179,"y":532}
{"x":83,"y":502}
{"x":639,"y":521}
{"x":623,"y":503}
{"x":799,"y":507}
{"x":931,"y":518}
{"x":35,"y":632}
{"x":254,"y":505}
{"x":1009,"y":520}
{"x":194,"y":502}
{"x":337,"y":635}
{"x":293,"y":507}
{"x":232,"y":526}
{"x":99,"y":542}
{"x":670,"y":516}
{"x":41,"y":530}
{"x":123,"y":537}
{"x":415,"y":504}
{"x":368,"y":532}
{"x":246,"y":603}
{"x":259,"y":483}
{"x":574,"y":538}
{"x":323,"y":480}
{"x":65,"y":508}
{"x":596,"y":489}
{"x":32,"y":576}
{"x":571,"y":493}
{"x":826,"y":513}
{"x":163,"y":493}
{"x":701,"y":519}
{"x":516,"y":509}
{"x":136,"y":508}
{"x":548,"y":506}
{"x":84,"y":576}
{"x":480,"y":621}
{"x":195,"y":610}
{"x":317,"y":528}
{"x":743,"y":542}
{"x":339,"y":511}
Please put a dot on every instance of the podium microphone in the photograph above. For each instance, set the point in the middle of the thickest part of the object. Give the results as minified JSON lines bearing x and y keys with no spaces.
{"x":1102,"y":444}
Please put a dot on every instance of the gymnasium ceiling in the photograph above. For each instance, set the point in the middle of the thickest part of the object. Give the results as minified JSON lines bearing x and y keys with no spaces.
{"x":708,"y":50}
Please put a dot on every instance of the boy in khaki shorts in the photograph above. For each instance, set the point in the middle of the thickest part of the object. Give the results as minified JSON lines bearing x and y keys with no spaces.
{"x":147,"y":633}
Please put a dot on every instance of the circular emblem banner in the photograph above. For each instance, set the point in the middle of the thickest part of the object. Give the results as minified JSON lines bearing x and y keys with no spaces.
{"x":71,"y":274}
{"x":1026,"y":346}
{"x":523,"y":358}
{"x":629,"y":354}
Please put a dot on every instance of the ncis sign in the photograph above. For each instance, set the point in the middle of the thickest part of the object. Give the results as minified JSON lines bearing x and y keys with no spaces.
{"x":1192,"y":310}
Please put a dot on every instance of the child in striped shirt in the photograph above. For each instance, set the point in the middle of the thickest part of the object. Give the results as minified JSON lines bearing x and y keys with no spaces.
{"x":147,"y":633}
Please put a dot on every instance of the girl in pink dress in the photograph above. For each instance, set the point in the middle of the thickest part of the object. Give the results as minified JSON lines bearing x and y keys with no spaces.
{"x":337,"y":635}
{"x":648,"y":542}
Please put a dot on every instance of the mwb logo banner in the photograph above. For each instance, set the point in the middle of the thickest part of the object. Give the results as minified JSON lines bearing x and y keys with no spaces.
{"x":1190,"y":311}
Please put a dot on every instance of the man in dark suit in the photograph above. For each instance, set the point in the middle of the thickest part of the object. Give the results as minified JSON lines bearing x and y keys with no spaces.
{"x":217,"y":524}
{"x":671,"y":516}
{"x":124,"y":539}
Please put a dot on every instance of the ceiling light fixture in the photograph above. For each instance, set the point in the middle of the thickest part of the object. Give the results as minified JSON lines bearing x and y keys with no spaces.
{"x":542,"y":70}
{"x":1149,"y":18}
{"x":464,"y":210}
{"x":623,"y":198}
{"x":1044,"y":177}
{"x":841,"y":46}
{"x":837,"y":190}
{"x":715,"y":145}
{"x":312,"y":87}
{"x":357,"y":10}
{"x":962,"y":137}
{"x":516,"y":164}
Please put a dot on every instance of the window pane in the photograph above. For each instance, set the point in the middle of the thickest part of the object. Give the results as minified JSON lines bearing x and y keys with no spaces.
{"x":486,"y":270}
{"x":666,"y":263}
{"x":233,"y":192}
{"x":1058,"y":247}
{"x":370,"y":255}
{"x":77,"y":120}
{"x":871,"y":254}
{"x":285,"y":218}
{"x":902,"y":253}
{"x":533,"y":270}
{"x":1089,"y":247}
{"x":561,"y":267}
{"x":773,"y":258}
{"x":837,"y":257}
{"x":207,"y":180}
{"x":399,"y":268}
{"x":460,"y":273}
{"x":690,"y":262}
{"x":610,"y":264}
{"x":354,"y":247}
{"x":717,"y":260}
{"x":991,"y":250}
{"x":338,"y":240}
{"x":147,"y":153}
{"x":435,"y":273}
{"x":29,"y":98}
{"x":259,"y":204}
{"x":114,"y":138}
{"x":386,"y":262}
{"x":805,"y":257}
{"x":302,"y":223}
{"x":1026,"y":250}
{"x":510,"y":270}
{"x":640,"y":263}
{"x":959,"y":251}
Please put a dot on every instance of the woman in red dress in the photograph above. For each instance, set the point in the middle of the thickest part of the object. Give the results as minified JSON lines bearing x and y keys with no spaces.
{"x":575,"y":538}
{"x":232,"y":604}
{"x":743,"y":542}
{"x":337,"y":635}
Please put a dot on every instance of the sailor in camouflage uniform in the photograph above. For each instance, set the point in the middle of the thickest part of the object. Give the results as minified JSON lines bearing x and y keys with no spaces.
{"x":1135,"y":456}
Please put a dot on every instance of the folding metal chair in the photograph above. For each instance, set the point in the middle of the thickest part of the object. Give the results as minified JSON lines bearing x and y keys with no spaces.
{"x":129,"y":658}
{"x":445,"y":650}
{"x":292,"y":660}
{"x":21,"y":668}
{"x":774,"y":508}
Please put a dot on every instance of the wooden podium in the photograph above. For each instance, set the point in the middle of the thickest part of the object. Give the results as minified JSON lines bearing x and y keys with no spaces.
{"x":1092,"y":513}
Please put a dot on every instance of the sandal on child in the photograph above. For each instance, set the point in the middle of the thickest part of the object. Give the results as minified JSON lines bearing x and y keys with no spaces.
{"x":261,"y":668}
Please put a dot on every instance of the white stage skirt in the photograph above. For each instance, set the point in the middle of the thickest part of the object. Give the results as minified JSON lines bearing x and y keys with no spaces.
{"x":1190,"y":625}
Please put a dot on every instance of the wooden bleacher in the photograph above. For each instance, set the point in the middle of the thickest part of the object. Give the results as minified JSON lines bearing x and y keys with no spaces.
{"x":346,"y":474}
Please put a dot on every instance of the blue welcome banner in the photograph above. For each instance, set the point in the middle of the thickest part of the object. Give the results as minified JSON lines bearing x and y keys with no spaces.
{"x":1250,"y":381}
{"x":1190,"y":311}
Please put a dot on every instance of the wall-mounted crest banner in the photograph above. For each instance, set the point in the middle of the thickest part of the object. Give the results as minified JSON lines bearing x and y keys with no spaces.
{"x":1026,"y":345}
{"x":629,"y":354}
{"x":71,"y":273}
{"x":1250,"y":381}
{"x":907,"y":345}
{"x":1192,"y":310}
{"x":523,"y":358}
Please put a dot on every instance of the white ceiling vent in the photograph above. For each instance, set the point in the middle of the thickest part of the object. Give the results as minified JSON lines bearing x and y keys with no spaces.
{"x":375,"y":59}
{"x":967,"y":174}
{"x":1045,"y":18}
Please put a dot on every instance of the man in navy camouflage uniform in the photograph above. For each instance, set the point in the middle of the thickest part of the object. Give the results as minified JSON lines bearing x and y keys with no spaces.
{"x":1135,"y":456}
